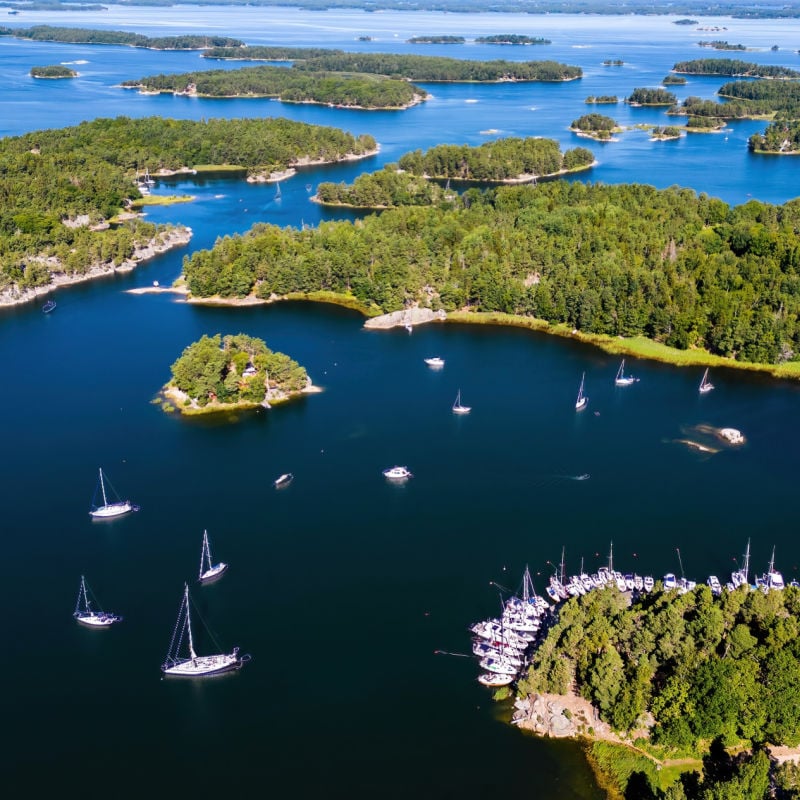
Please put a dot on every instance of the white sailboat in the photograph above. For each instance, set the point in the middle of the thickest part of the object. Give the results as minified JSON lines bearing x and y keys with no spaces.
{"x":705,"y":386}
{"x":278,"y":192}
{"x":582,"y":400}
{"x":208,"y":570}
{"x":88,"y":616}
{"x":458,"y":408}
{"x":107,"y":510}
{"x":194,"y":666}
{"x":622,"y":379}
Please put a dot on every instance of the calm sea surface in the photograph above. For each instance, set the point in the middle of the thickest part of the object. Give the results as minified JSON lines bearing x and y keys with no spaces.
{"x":343,"y":587}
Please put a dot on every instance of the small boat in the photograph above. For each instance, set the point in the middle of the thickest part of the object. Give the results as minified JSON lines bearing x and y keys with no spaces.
{"x":208,"y":570}
{"x":499,"y":665}
{"x":48,"y":306}
{"x":435,"y":362}
{"x":86,"y":615}
{"x":649,"y":583}
{"x":283,"y":480}
{"x":107,"y":510}
{"x":731,"y":435}
{"x":458,"y":408}
{"x":622,"y":379}
{"x":396,"y":473}
{"x":194,"y":666}
{"x":495,"y":679}
{"x":670,"y":581}
{"x":582,"y":400}
{"x":705,"y":386}
{"x":715,"y":585}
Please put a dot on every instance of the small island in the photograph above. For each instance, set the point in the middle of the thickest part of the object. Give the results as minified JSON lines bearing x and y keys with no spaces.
{"x":227,"y":373}
{"x":733,"y":68}
{"x":602,"y":100}
{"x":436,"y":40}
{"x":613,"y":62}
{"x":595,"y":126}
{"x":55,"y":71}
{"x":718,"y":45}
{"x":685,"y":21}
{"x":665,"y":133}
{"x":651,"y":97}
{"x":510,"y":38}
{"x":674,"y":80}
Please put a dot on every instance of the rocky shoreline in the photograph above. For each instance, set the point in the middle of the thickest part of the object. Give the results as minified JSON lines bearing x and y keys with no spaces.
{"x":160,"y":243}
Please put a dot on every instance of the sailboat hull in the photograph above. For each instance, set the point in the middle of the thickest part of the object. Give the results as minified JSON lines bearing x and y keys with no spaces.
{"x":212,"y":573}
{"x":111,"y":510}
{"x":204,"y":666}
{"x":92,"y":619}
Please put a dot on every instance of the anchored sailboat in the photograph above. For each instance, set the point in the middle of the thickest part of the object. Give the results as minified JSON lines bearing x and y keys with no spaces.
{"x":458,"y":408}
{"x":582,"y":400}
{"x":86,"y":615}
{"x":113,"y":509}
{"x":622,"y":379}
{"x":208,"y":570}
{"x":195,"y":666}
{"x":705,"y":386}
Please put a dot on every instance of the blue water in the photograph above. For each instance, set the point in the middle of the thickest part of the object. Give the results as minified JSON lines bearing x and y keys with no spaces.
{"x":341,"y":586}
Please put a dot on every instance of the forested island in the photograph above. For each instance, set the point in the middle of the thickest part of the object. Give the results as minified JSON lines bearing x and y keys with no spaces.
{"x":511,"y":38}
{"x":780,"y":138}
{"x":602,"y":100}
{"x":663,"y":133}
{"x":733,"y":68}
{"x":595,"y":126}
{"x":718,"y":45}
{"x":680,"y":682}
{"x":223,"y":373}
{"x":674,"y":80}
{"x":63,"y":189}
{"x":49,"y":33}
{"x":267,"y":53}
{"x":289,"y":86}
{"x":53,"y":71}
{"x":510,"y":160}
{"x":600,"y":262}
{"x":651,"y":97}
{"x":436,"y":40}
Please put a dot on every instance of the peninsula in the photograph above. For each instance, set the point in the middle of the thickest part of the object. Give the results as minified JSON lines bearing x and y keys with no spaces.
{"x":230,"y":373}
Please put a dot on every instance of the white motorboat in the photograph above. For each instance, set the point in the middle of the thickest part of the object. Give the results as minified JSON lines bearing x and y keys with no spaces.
{"x":209,"y":571}
{"x":192,"y":665}
{"x":107,"y":510}
{"x":670,"y":581}
{"x":283,"y":480}
{"x":86,"y":615}
{"x":396,"y":473}
{"x":715,"y":585}
{"x":582,"y":400}
{"x":638,"y":582}
{"x":705,"y":385}
{"x":649,"y":583}
{"x":499,"y":665}
{"x":458,"y":408}
{"x":622,"y":379}
{"x":495,"y":679}
{"x":435,"y":362}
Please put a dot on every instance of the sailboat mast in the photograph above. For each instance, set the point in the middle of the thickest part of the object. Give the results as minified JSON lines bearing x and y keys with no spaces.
{"x":103,"y":487}
{"x":680,"y":561}
{"x":562,"y":565}
{"x":204,"y":553}
{"x":747,"y":564}
{"x":772,"y":560}
{"x":188,"y":621}
{"x":81,"y":595}
{"x":611,"y":557}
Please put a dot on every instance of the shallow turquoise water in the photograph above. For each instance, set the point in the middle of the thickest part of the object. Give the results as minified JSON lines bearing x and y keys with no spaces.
{"x":342,"y":587}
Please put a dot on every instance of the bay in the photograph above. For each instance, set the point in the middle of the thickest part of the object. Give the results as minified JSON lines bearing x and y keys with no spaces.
{"x":343,"y":588}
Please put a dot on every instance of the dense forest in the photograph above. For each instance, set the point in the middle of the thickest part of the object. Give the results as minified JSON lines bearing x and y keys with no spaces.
{"x":51,"y":179}
{"x":651,"y":97}
{"x":235,"y":369}
{"x":780,"y":97}
{"x":288,"y":85}
{"x":779,"y":137}
{"x":48,"y":33}
{"x":407,"y":183}
{"x":439,"y":69}
{"x":700,"y":669}
{"x":626,"y":260}
{"x":267,"y":53}
{"x":53,"y":71}
{"x":733,"y":68}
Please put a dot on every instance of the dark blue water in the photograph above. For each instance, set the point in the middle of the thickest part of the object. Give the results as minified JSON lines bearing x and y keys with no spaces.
{"x":341,"y":586}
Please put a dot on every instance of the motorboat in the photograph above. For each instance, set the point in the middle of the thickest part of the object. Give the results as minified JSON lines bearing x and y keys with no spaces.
{"x":495,"y":679}
{"x":715,"y":585}
{"x":435,"y":362}
{"x":396,"y":473}
{"x":283,"y":480}
{"x":670,"y":581}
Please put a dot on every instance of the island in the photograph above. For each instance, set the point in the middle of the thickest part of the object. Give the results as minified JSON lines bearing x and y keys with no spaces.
{"x":664,"y":133}
{"x":580,"y":261}
{"x":595,"y":126}
{"x":54,"y":71}
{"x":511,"y":38}
{"x":231,"y":373}
{"x":412,"y":180}
{"x":49,"y":33}
{"x":268,"y":53}
{"x":780,"y":138}
{"x":685,"y":21}
{"x":602,"y":100}
{"x":674,"y":80}
{"x":718,"y":45}
{"x":613,"y":62}
{"x":651,"y":97}
{"x":436,"y":40}
{"x":289,"y":86}
{"x":71,"y":192}
{"x":733,"y":68}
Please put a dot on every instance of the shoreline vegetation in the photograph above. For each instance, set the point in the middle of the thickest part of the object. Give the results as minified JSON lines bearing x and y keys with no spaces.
{"x":50,"y":33}
{"x":220,"y":374}
{"x":53,"y":72}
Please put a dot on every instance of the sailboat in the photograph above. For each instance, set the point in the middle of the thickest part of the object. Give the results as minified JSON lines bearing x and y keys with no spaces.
{"x":622,"y":379}
{"x":194,"y":666}
{"x":458,"y":408}
{"x":278,"y":192}
{"x":113,"y":509}
{"x":86,"y":615}
{"x":208,"y":570}
{"x":582,"y":400}
{"x":705,"y":386}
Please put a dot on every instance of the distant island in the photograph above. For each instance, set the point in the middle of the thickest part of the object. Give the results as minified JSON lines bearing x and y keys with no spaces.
{"x":651,"y":97}
{"x":511,"y":38}
{"x":269,"y":52}
{"x":718,"y":45}
{"x":613,"y":62}
{"x":53,"y":71}
{"x":685,"y":21}
{"x":603,"y":99}
{"x":664,"y":133}
{"x":49,"y":33}
{"x":228,"y":373}
{"x":595,"y":126}
{"x":674,"y":80}
{"x":733,"y":68}
{"x":436,"y":40}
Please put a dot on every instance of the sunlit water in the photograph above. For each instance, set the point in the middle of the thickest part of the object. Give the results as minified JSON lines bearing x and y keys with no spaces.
{"x":341,"y":586}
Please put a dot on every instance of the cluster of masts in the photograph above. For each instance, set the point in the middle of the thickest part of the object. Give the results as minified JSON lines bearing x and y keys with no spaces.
{"x":182,"y":659}
{"x":503,"y":644}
